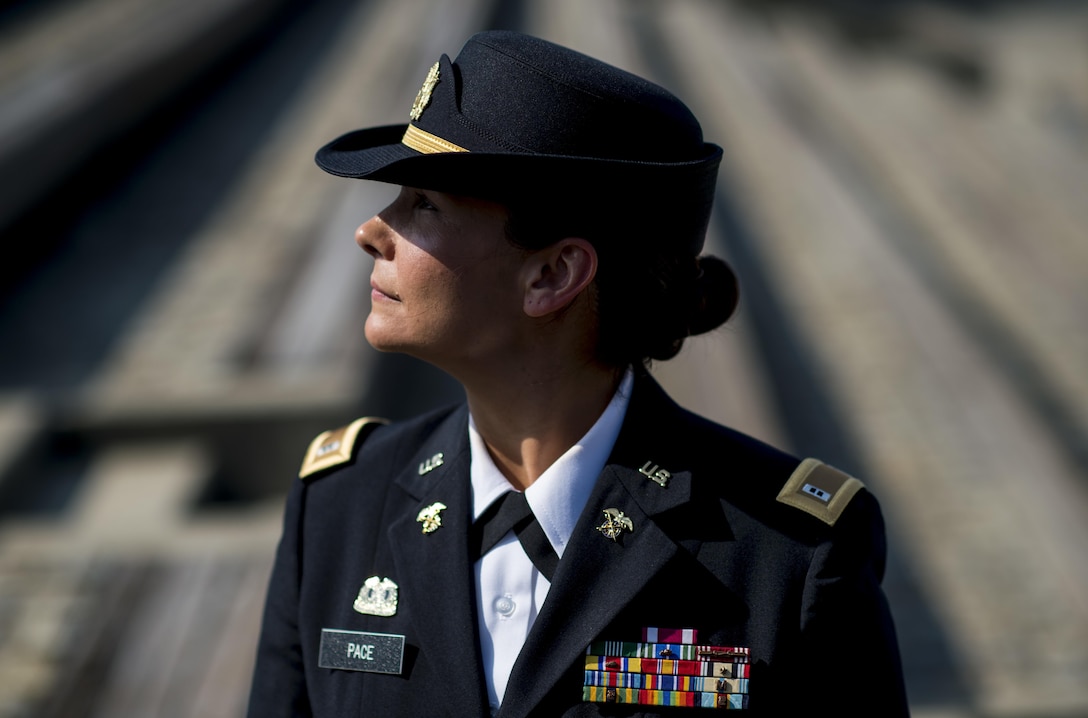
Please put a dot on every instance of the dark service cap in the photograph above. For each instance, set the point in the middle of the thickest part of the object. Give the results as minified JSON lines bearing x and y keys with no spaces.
{"x":515,"y":117}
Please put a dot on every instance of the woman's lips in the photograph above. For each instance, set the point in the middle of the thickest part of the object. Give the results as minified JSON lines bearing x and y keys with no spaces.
{"x":376,"y":292}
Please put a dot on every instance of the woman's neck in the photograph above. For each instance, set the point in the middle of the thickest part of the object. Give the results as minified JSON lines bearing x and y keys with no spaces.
{"x":528,"y":419}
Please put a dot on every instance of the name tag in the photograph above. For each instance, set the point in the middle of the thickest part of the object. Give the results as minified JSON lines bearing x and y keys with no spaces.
{"x":361,"y":651}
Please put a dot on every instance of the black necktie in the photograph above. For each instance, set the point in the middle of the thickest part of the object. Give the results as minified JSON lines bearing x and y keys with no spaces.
{"x":511,"y":512}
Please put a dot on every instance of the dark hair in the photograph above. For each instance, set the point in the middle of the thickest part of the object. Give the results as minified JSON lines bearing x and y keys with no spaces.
{"x":651,"y":294}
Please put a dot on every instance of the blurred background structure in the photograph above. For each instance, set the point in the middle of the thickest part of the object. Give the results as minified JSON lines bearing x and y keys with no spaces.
{"x":904,"y":195}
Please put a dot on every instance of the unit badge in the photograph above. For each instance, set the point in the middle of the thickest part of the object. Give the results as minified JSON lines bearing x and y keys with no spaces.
{"x":377,"y":597}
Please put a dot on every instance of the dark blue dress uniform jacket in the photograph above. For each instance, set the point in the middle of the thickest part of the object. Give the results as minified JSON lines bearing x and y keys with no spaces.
{"x":712,"y":550}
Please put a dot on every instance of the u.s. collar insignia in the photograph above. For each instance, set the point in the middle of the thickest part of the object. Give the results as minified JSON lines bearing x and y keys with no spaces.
{"x":424,"y":96}
{"x":377,"y":597}
{"x":431,"y":517}
{"x":655,"y":473}
{"x":615,"y":523}
{"x":426,"y":467}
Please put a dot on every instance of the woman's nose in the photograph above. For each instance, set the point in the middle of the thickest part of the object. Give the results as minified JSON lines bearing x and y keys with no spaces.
{"x":372,"y":236}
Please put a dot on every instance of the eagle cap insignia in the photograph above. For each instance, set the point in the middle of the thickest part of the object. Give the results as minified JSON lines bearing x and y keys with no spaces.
{"x":423,"y":98}
{"x":377,"y":597}
{"x":430,"y":517}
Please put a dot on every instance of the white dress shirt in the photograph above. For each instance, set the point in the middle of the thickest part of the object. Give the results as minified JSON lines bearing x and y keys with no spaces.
{"x":509,"y":588}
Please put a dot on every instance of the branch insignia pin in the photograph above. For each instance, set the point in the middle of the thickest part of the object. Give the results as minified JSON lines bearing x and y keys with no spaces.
{"x":615,"y":523}
{"x":431,"y":517}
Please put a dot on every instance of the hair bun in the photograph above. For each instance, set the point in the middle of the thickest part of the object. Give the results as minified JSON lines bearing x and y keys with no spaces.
{"x":716,"y":295}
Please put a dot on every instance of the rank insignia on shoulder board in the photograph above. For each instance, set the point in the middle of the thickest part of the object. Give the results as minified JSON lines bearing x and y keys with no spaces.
{"x":819,"y":490}
{"x":336,"y":447}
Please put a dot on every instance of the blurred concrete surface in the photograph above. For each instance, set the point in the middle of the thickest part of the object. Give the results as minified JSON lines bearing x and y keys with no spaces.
{"x":902,"y":195}
{"x":76,"y":73}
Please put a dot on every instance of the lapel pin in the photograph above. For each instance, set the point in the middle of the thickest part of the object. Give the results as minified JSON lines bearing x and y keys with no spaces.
{"x":426,"y":467}
{"x":655,"y":474}
{"x":377,"y":597}
{"x":431,"y":517}
{"x":615,"y":523}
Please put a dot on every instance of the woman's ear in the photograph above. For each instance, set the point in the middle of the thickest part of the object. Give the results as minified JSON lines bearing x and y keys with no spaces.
{"x":557,"y":274}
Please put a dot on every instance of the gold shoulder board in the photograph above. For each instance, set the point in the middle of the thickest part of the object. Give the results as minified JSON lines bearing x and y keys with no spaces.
{"x":336,"y":447}
{"x":820,"y":490}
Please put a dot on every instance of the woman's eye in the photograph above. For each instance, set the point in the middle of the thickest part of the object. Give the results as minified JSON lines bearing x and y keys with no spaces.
{"x":423,"y":203}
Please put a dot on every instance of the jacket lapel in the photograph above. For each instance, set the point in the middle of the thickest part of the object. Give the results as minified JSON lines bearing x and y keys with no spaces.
{"x":435,"y":567}
{"x":597,"y":576}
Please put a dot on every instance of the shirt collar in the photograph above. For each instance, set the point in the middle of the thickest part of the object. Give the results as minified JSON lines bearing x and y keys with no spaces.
{"x":559,"y":495}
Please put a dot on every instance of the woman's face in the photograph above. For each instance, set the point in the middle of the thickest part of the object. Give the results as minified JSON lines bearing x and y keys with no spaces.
{"x":445,"y":285}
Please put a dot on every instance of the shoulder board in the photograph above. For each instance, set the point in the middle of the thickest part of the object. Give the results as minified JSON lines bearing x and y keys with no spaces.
{"x":336,"y":447}
{"x":820,"y":490}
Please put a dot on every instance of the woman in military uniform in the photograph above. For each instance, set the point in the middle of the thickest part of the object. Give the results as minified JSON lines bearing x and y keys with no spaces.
{"x":568,"y":542}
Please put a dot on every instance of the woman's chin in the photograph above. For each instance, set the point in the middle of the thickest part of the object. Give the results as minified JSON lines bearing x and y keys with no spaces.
{"x":379,"y":336}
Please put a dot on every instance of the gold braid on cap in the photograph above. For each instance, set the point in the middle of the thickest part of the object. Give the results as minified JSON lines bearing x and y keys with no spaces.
{"x":423,"y":141}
